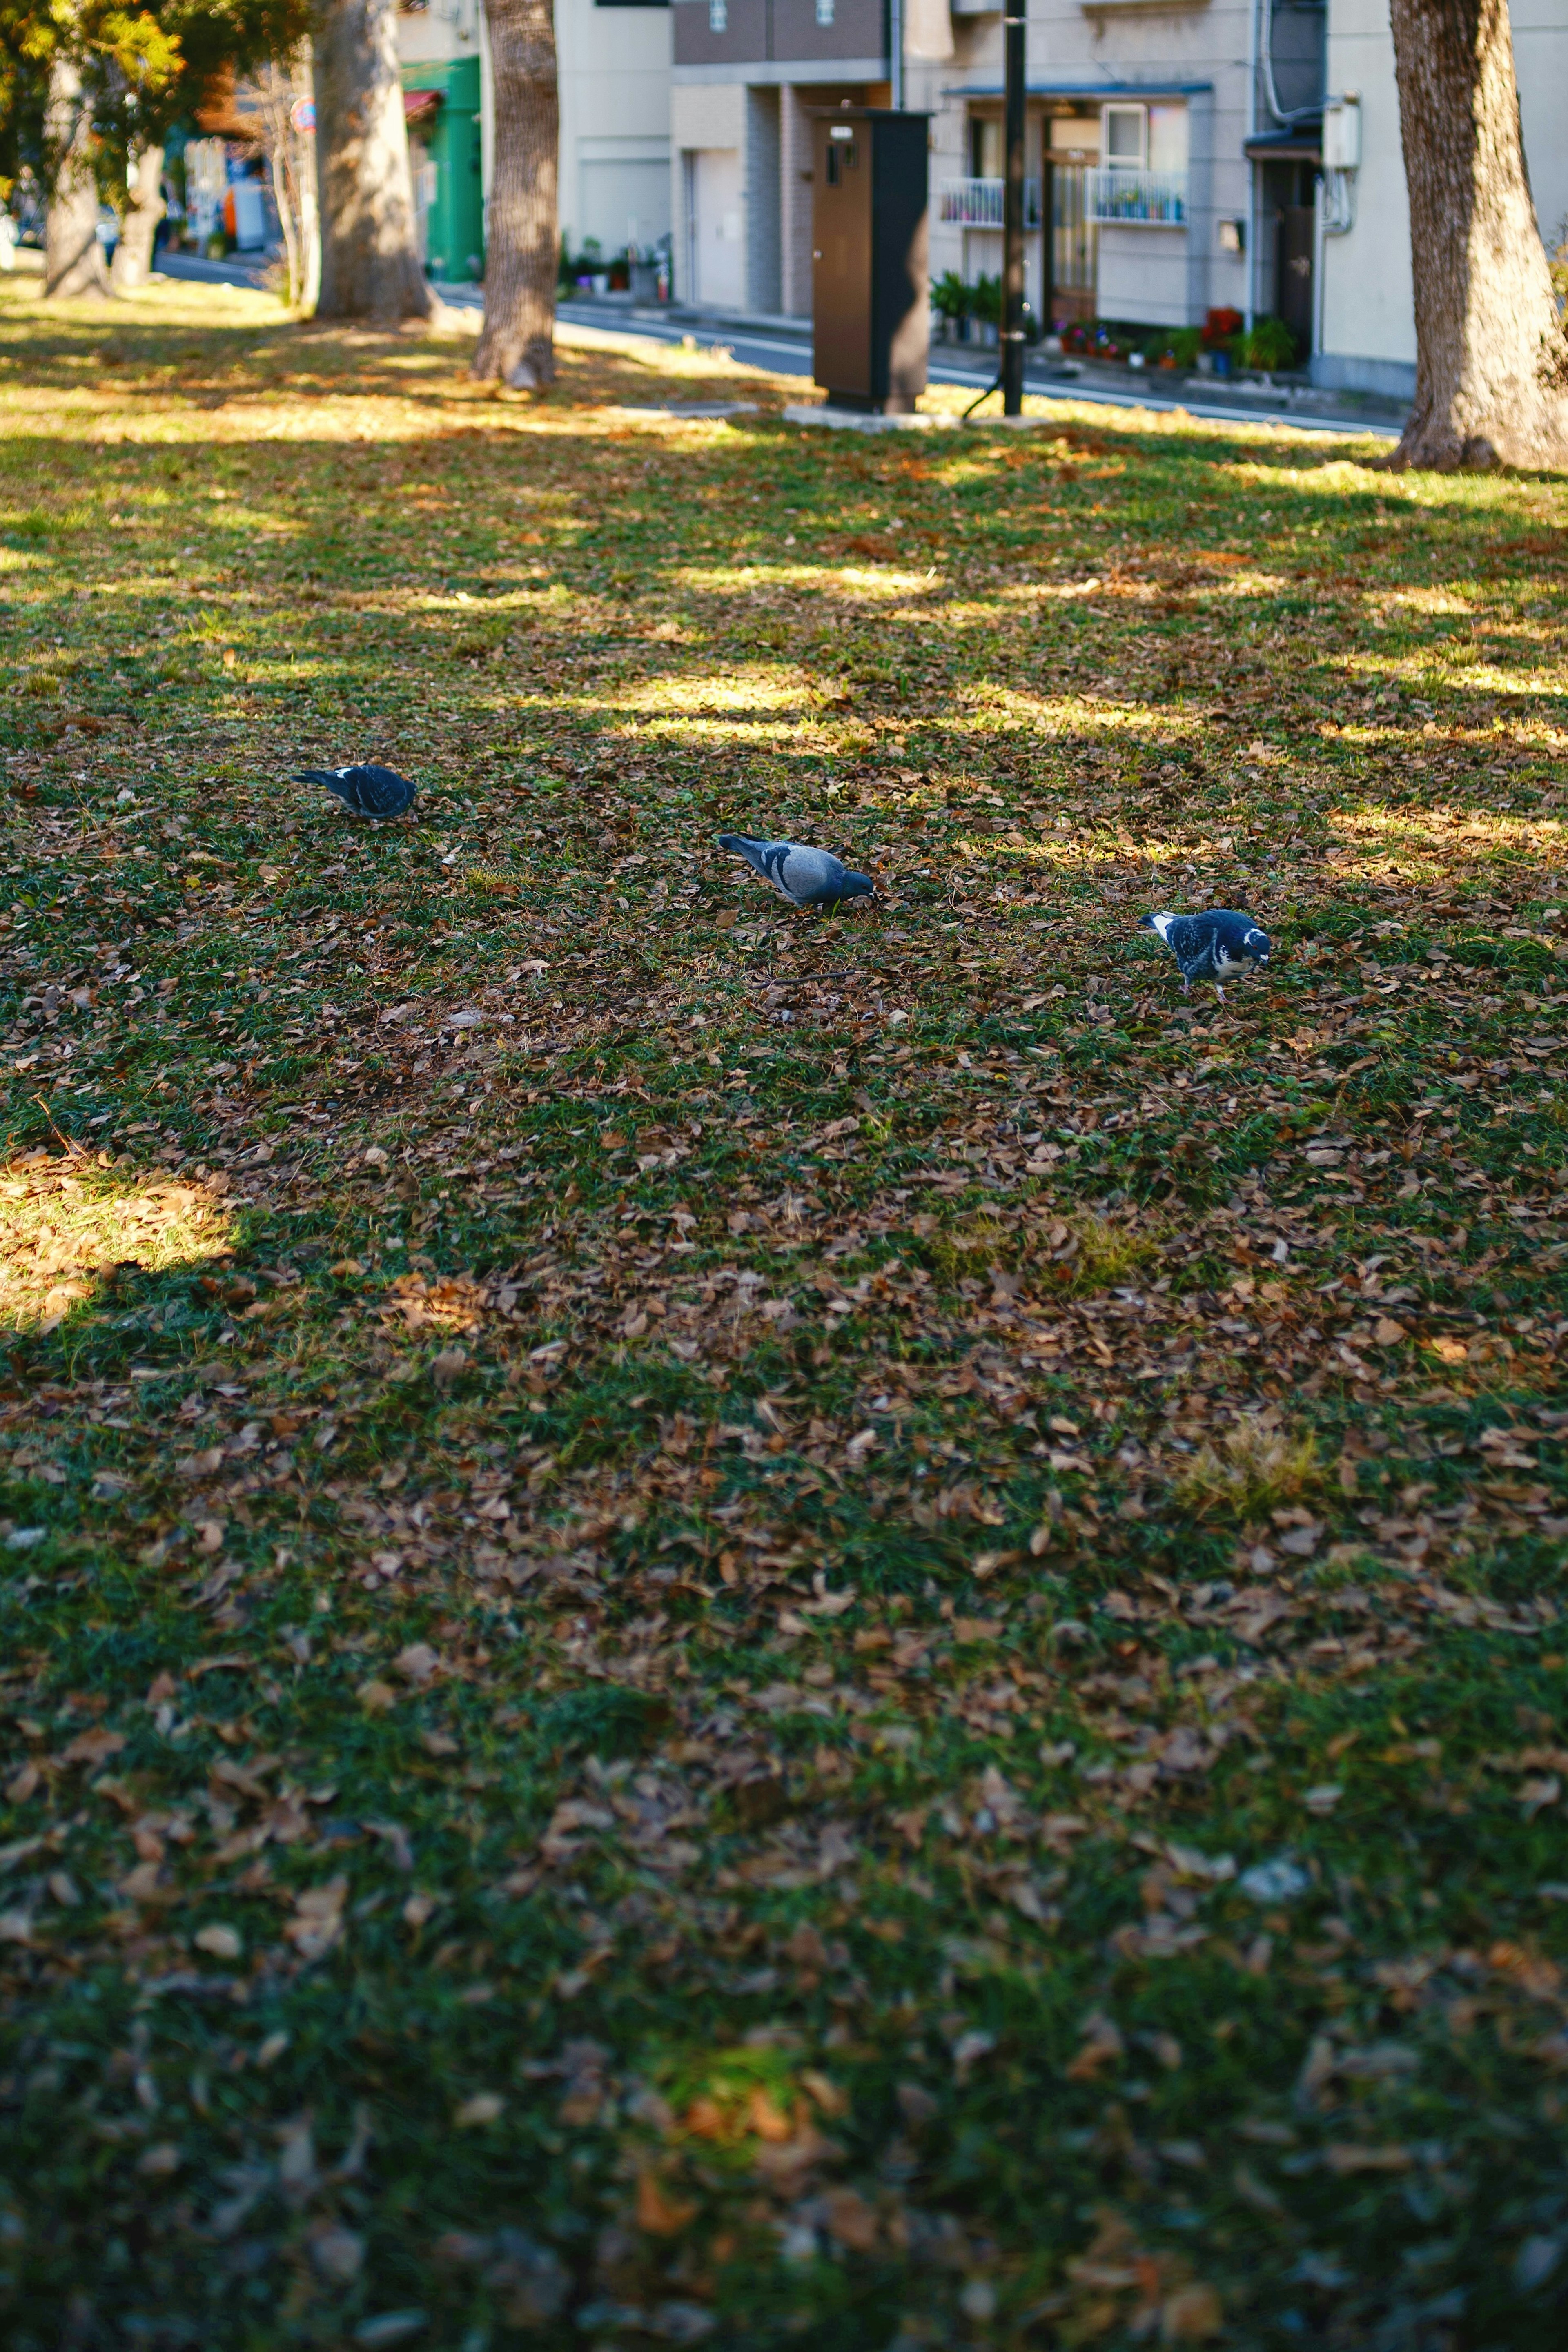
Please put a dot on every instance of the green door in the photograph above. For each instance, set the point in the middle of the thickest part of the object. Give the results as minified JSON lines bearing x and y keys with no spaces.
{"x":446,"y":153}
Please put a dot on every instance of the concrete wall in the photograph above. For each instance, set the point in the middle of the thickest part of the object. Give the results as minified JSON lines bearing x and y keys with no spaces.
{"x":614,"y":122}
{"x":1540,"y":60}
{"x":1143,"y":275}
{"x":1368,"y":315}
{"x":1368,"y":324}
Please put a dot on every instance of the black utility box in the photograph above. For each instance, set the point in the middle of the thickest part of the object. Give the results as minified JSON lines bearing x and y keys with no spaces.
{"x":871,"y":314}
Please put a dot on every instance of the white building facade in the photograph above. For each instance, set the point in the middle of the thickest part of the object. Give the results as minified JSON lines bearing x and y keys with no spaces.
{"x":614,"y":65}
{"x":1365,"y":330}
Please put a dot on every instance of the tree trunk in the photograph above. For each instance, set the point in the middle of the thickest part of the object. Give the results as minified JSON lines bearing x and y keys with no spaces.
{"x":1491,"y":366}
{"x":133,"y":254}
{"x":73,"y":257}
{"x":369,"y":261}
{"x":517,"y":341}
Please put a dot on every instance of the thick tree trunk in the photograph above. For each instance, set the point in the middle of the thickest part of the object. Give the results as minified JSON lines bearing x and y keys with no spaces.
{"x":370,"y":260}
{"x":517,"y":342}
{"x":1491,"y":385}
{"x":133,"y":254}
{"x":73,"y":257}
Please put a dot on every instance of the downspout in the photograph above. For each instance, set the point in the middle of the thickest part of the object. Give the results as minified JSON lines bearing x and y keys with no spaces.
{"x":1251,"y":166}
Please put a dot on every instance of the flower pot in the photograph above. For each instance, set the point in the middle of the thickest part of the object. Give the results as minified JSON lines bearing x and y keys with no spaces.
{"x":645,"y":281}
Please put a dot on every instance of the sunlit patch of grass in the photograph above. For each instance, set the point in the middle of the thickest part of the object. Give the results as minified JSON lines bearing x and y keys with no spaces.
{"x":1257,"y":1468}
{"x":1089,"y":1253}
{"x":60,"y":1234}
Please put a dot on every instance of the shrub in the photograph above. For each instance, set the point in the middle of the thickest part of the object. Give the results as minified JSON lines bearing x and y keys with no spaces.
{"x":950,"y":295}
{"x":1270,"y":345}
{"x":1173,"y":346}
{"x":987,"y":300}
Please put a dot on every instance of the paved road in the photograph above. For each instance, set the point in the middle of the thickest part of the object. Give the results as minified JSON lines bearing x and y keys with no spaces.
{"x":788,"y":354}
{"x":785,"y":353}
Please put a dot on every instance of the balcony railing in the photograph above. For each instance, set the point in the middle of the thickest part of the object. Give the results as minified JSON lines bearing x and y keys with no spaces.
{"x":1154,"y":199}
{"x":977,"y":203}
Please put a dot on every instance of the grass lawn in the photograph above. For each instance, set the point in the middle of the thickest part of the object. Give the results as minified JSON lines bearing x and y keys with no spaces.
{"x":718,"y":1627}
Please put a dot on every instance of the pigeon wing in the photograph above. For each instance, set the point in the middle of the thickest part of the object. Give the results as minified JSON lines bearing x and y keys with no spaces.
{"x":812,"y":878}
{"x":381,"y":792}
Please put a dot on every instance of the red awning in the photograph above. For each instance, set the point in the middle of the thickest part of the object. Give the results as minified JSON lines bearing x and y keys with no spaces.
{"x":419,"y":105}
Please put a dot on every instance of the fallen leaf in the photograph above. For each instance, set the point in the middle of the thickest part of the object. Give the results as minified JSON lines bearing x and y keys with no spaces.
{"x":660,"y":2215}
{"x":484,"y":2107}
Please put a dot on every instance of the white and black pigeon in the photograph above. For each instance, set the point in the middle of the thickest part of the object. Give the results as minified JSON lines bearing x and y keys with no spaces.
{"x":1215,"y":946}
{"x":806,"y":878}
{"x":369,"y":791}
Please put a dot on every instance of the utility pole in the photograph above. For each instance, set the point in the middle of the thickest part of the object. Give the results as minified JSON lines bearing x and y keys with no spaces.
{"x":1012,"y":354}
{"x":896,"y":44}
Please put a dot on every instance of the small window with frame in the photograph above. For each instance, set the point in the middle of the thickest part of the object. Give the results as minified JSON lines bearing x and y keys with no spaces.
{"x":718,"y":15}
{"x":1125,"y":142}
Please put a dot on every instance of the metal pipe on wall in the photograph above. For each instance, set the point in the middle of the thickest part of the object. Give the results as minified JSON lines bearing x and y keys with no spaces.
{"x":1012,"y":336}
{"x":896,"y":49}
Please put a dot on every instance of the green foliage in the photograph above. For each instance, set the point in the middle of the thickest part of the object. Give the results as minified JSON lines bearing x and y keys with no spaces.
{"x":985,"y":299}
{"x":665,"y":1571}
{"x":1269,"y":345}
{"x":952,"y":296}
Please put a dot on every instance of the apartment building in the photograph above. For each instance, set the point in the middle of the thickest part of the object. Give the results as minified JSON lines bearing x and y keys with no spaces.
{"x":1175,"y":149}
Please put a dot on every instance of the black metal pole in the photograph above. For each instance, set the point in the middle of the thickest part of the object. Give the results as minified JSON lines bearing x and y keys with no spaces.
{"x":1012,"y":355}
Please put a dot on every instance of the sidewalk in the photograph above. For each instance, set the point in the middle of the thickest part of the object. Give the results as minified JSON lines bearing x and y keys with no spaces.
{"x":762,"y":339}
{"x":1287,"y":399}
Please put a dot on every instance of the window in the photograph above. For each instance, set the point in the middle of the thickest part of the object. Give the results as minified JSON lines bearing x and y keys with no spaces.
{"x":986,"y":160}
{"x":1124,"y":144}
{"x":718,"y":15}
{"x":1167,"y":138}
{"x":824,"y":12}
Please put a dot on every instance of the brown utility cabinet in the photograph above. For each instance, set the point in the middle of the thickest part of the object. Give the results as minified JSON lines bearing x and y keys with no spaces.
{"x":870,"y":305}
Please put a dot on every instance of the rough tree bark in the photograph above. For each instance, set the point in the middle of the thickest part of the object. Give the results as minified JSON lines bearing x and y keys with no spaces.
{"x":1491,"y":384}
{"x":133,"y":254}
{"x":73,"y":257}
{"x":370,"y":258}
{"x":517,"y":342}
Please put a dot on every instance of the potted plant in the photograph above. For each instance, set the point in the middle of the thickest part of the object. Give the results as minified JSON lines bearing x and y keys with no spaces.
{"x":1270,"y":347}
{"x":1220,"y":329}
{"x":987,"y":310}
{"x":950,"y":301}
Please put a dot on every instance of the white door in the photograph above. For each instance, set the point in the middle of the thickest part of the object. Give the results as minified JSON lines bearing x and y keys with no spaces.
{"x":716,"y":243}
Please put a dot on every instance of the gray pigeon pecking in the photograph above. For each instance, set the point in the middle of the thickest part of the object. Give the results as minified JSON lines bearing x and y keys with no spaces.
{"x":806,"y":878}
{"x":1213,"y":946}
{"x":369,"y":791}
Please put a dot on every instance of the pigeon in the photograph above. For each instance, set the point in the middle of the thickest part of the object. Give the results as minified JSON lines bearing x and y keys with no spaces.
{"x":806,"y":878}
{"x":1212,"y":946}
{"x":369,"y":791}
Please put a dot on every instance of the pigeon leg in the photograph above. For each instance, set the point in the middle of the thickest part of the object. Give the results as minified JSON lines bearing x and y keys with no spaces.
{"x":1186,"y":985}
{"x":1219,"y":992}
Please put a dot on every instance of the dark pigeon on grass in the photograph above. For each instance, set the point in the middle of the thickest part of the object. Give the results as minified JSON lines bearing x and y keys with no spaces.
{"x":1215,"y":946}
{"x":369,"y":791}
{"x":806,"y":878}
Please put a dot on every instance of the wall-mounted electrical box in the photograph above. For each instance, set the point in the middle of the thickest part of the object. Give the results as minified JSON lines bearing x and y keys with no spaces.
{"x":1342,"y":134}
{"x":1230,"y":236}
